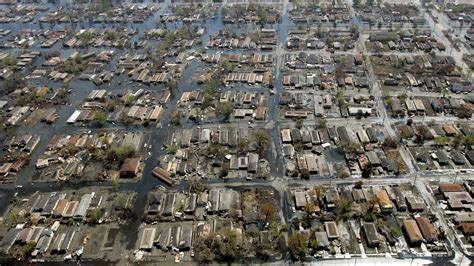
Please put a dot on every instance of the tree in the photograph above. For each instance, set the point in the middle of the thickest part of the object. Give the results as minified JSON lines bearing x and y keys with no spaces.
{"x":95,"y":215}
{"x":395,"y":232}
{"x":390,"y":143}
{"x":243,"y":145}
{"x":341,"y":101}
{"x":299,"y":123}
{"x":359,"y":184}
{"x":120,"y":154}
{"x":203,"y":253}
{"x":298,"y":246}
{"x":354,"y":28}
{"x":367,"y":172}
{"x":99,"y":118}
{"x":305,"y":174}
{"x":464,"y":113}
{"x":261,"y":137}
{"x":115,"y":184}
{"x":268,"y":211}
{"x":343,"y":208}
{"x":322,"y":122}
{"x":28,"y":249}
{"x":441,"y":140}
{"x":319,"y":190}
{"x":226,"y":109}
{"x":195,"y":184}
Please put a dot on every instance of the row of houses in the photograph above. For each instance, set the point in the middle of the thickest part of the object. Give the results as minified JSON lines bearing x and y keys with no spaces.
{"x":175,"y":238}
{"x":223,"y":136}
{"x":57,"y":206}
{"x":214,"y":201}
{"x":249,"y":77}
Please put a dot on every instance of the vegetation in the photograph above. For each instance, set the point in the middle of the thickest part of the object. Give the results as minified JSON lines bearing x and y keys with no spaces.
{"x":28,"y":249}
{"x":226,"y":109}
{"x":299,"y":123}
{"x":13,"y":82}
{"x":395,"y":232}
{"x":115,"y":184}
{"x":95,"y":215}
{"x":441,"y":140}
{"x":305,"y":174}
{"x":359,"y":184}
{"x":390,"y":143}
{"x":221,"y":246}
{"x":261,"y":137}
{"x":120,"y":154}
{"x":298,"y":246}
{"x":99,"y":118}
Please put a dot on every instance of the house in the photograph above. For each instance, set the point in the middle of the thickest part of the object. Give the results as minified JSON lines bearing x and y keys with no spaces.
{"x":300,"y":200}
{"x":467,"y":229}
{"x":81,"y":210}
{"x":371,"y":235}
{"x":412,"y":231}
{"x":322,"y":238}
{"x":331,"y":230}
{"x":385,"y":203}
{"x":427,"y":229}
{"x":415,"y":204}
{"x":130,"y":168}
{"x":147,"y":237}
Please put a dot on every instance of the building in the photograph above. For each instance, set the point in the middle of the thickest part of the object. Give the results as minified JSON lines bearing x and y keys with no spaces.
{"x":385,"y":203}
{"x":130,"y":168}
{"x":371,"y":235}
{"x":427,"y":229}
{"x":300,"y":200}
{"x":331,"y":230}
{"x":147,"y":237}
{"x":414,"y":235}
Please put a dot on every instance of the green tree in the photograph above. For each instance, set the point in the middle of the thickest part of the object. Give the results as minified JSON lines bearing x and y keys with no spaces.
{"x":305,"y":174}
{"x":115,"y":184}
{"x":226,"y":109}
{"x":359,"y":184}
{"x":367,"y":172}
{"x":395,"y":232}
{"x":298,"y":246}
{"x":99,"y":118}
{"x":261,"y":137}
{"x":441,"y":140}
{"x":28,"y":249}
{"x":95,"y":215}
{"x":299,"y":123}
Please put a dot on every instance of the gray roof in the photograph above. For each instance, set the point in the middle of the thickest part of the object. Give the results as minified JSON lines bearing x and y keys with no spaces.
{"x":83,"y":206}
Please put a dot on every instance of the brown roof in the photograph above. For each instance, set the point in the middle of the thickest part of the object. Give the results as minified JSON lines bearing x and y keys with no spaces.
{"x":331,"y":229}
{"x":59,"y":209}
{"x":467,"y":228}
{"x":131,"y":166}
{"x":412,"y":230}
{"x":384,"y":200}
{"x":427,"y":229}
{"x":451,"y":188}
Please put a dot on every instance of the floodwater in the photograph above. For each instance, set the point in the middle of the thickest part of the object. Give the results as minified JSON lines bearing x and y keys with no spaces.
{"x":82,"y":88}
